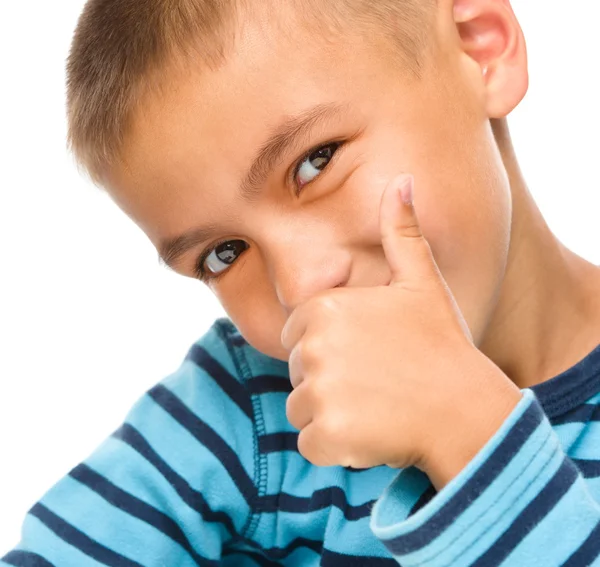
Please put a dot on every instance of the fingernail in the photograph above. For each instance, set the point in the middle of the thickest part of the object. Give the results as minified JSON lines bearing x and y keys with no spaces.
{"x":406,"y":190}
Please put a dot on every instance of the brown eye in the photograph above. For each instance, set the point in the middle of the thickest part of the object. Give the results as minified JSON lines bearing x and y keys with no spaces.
{"x":311,"y":166}
{"x":225,"y":253}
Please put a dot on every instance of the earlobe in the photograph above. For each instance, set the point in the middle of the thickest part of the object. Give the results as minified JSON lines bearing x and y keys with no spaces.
{"x":491,"y":36}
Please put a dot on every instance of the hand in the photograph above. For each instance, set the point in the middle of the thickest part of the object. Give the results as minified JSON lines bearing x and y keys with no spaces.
{"x":389,"y":374}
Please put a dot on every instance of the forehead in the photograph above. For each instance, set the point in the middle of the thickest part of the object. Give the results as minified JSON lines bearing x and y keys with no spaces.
{"x":205,"y":127}
{"x":268,"y":75}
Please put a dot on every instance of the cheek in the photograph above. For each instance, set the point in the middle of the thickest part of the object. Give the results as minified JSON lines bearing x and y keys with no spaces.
{"x":464,"y":206}
{"x":254,"y":310}
{"x":467,"y":225}
{"x":360,"y":201}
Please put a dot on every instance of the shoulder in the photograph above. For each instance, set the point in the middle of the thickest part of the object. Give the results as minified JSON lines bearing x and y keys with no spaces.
{"x":181,"y":475}
{"x":213,"y":394}
{"x":212,"y":384}
{"x":197,"y":427}
{"x":222,"y":357}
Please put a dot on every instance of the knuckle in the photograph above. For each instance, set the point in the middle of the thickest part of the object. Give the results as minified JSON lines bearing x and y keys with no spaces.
{"x":310,"y":349}
{"x":313,"y":447}
{"x":294,"y":361}
{"x":334,"y":428}
{"x":327,"y":304}
{"x":316,"y":389}
{"x":305,"y":446}
{"x":284,"y":338}
{"x":291,"y":410}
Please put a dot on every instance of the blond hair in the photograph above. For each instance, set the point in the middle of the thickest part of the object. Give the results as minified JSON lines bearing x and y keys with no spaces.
{"x":120,"y":48}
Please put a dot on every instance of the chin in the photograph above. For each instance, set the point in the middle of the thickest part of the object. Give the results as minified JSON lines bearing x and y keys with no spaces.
{"x":270,"y":350}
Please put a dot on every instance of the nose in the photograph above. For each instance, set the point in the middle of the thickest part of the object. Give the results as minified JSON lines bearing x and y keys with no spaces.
{"x":305,"y":266}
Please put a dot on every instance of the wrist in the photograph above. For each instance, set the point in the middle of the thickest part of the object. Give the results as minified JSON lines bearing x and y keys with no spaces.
{"x":466,"y":429}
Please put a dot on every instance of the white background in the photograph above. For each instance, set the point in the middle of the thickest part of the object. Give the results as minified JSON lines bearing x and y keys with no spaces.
{"x":89,"y":320}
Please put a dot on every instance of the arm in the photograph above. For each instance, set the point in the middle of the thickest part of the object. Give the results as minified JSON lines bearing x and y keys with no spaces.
{"x":170,"y":487}
{"x":521,"y":501}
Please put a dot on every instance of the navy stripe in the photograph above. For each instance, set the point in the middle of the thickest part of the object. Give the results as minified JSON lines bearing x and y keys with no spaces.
{"x":282,"y":552}
{"x":353,"y":470}
{"x":319,"y":500}
{"x":228,"y":383}
{"x":19,"y":558}
{"x":135,"y":507}
{"x":269,"y":384}
{"x":274,"y":442}
{"x":267,"y":503}
{"x":570,"y":388}
{"x":427,"y":495}
{"x":238,"y":340}
{"x":334,"y":559}
{"x":288,"y":441}
{"x":583,"y":414}
{"x":334,"y":496}
{"x":79,"y":540}
{"x":276,"y":553}
{"x":476,"y":485}
{"x":229,"y":333}
{"x":257,"y":558}
{"x":193,"y":498}
{"x":590,"y":468}
{"x":531,"y":516}
{"x":588,"y":551}
{"x":207,"y":437}
{"x":328,"y":558}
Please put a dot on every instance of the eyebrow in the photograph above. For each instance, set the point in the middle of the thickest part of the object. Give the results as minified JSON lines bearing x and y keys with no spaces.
{"x":291,"y":132}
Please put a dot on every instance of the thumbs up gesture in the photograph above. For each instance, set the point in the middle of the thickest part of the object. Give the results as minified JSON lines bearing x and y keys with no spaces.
{"x":389,"y":375}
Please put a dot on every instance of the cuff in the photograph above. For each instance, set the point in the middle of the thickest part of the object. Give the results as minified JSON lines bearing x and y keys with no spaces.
{"x":467,"y":517}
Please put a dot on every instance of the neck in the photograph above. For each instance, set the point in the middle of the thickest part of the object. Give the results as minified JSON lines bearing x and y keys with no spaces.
{"x":548,"y":313}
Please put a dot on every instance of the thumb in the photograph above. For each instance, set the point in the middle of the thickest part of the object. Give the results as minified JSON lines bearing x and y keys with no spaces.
{"x":406,"y":249}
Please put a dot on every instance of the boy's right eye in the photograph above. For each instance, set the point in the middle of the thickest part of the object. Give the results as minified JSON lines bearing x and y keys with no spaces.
{"x":210,"y":264}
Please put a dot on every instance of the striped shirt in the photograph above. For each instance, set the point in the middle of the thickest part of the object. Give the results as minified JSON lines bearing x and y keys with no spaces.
{"x":205,"y":470}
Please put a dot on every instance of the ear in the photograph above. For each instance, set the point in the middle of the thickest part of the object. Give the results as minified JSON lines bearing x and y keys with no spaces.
{"x":491,"y":35}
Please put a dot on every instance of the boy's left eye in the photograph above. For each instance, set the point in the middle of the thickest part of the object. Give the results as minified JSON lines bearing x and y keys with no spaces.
{"x":314,"y":163}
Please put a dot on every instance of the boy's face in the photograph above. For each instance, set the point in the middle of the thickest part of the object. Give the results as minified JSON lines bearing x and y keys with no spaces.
{"x":189,"y":151}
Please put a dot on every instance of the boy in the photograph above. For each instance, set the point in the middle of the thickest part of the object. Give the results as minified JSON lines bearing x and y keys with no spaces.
{"x":428,"y":321}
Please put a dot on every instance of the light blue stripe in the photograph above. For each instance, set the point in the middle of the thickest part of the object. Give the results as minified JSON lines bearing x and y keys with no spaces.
{"x":119,"y":531}
{"x":190,"y":458}
{"x":150,"y":486}
{"x":574,"y":505}
{"x":204,"y":397}
{"x":55,"y":550}
{"x":217,"y":348}
{"x":273,"y":412}
{"x":586,"y":445}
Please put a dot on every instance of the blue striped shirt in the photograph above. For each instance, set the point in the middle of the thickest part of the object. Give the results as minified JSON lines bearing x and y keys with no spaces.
{"x":205,"y":471}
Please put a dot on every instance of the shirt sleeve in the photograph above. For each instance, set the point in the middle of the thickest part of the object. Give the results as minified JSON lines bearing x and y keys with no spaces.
{"x":172,"y":486}
{"x":520,"y":501}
